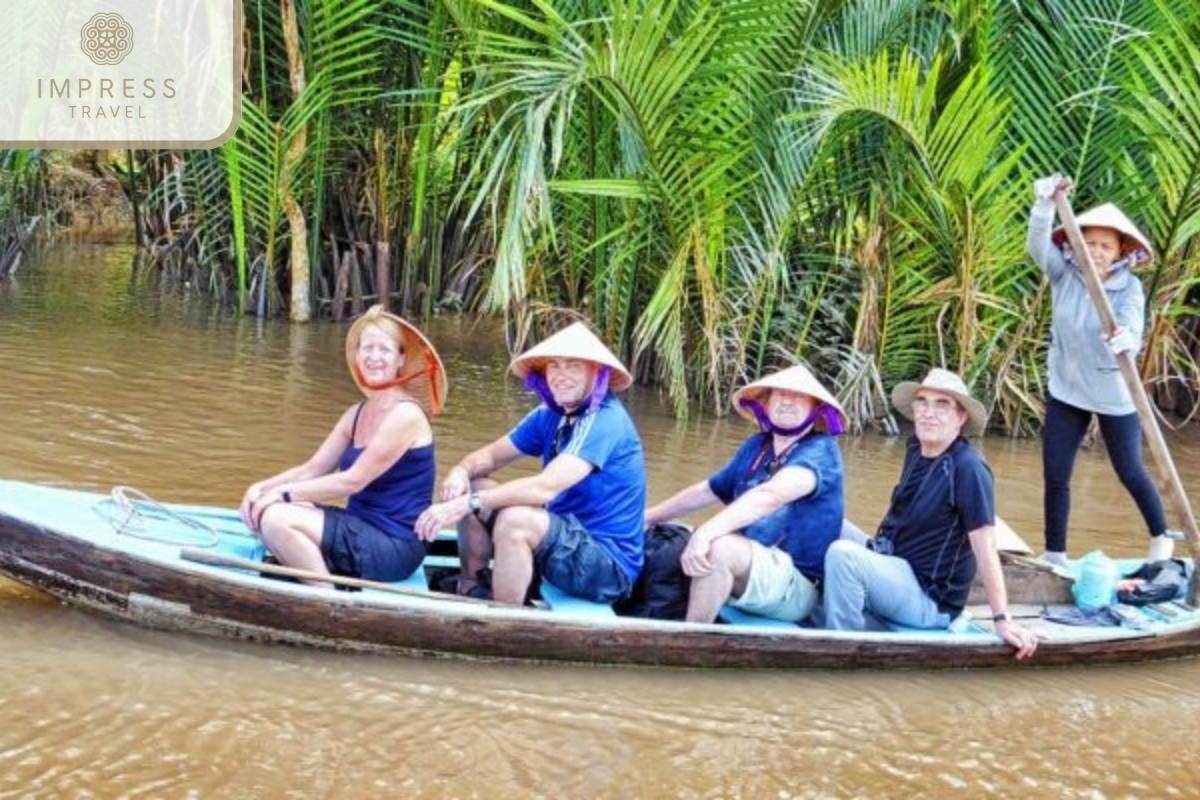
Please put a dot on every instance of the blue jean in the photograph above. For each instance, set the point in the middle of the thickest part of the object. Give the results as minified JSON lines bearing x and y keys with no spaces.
{"x":570,"y":558}
{"x":1062,"y":434}
{"x":860,"y":582}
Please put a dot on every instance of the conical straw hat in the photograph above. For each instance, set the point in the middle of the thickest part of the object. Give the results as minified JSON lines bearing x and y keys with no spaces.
{"x":1109,"y":216}
{"x":793,"y":379}
{"x":423,"y":375}
{"x":574,"y":341}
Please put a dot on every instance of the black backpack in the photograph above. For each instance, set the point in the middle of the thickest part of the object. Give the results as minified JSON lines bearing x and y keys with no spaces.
{"x":661,"y":591}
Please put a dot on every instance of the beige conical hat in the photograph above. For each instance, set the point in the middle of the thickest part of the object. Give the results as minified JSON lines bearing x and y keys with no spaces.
{"x":573,"y":341}
{"x":1109,"y":216}
{"x":947,"y":382}
{"x":422,"y":375}
{"x":793,"y":379}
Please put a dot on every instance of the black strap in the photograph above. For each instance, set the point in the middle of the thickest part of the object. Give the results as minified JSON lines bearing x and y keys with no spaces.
{"x":942,"y":461}
{"x":776,"y":461}
{"x":354,"y":425}
{"x":562,"y":434}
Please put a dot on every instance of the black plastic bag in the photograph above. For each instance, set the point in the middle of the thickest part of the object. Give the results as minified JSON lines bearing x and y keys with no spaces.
{"x":661,"y":591}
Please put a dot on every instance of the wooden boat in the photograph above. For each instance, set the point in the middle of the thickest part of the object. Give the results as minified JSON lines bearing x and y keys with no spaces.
{"x":144,"y":563}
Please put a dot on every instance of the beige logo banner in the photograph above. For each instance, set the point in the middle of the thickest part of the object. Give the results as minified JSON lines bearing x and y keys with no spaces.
{"x":120,"y":73}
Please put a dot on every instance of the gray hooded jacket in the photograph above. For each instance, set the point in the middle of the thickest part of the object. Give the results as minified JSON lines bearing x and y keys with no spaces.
{"x":1083,"y":372}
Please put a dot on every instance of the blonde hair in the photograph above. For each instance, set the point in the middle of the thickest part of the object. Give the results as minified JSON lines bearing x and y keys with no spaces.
{"x":377,"y":317}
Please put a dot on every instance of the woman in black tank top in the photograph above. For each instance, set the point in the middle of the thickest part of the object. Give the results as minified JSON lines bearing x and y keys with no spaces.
{"x":379,"y":457}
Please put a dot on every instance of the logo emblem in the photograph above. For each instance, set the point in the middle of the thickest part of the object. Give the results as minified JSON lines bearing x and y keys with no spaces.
{"x":106,"y":39}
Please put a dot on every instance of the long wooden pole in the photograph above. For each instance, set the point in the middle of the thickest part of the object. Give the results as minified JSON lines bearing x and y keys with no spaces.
{"x":1133,"y":381}
{"x":219,"y":560}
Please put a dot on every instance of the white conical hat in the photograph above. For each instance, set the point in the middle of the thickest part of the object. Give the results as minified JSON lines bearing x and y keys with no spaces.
{"x":792,"y":379}
{"x":1109,"y":216}
{"x":573,"y":341}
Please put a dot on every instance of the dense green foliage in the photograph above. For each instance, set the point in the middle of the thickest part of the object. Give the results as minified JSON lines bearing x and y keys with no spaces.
{"x":721,"y":186}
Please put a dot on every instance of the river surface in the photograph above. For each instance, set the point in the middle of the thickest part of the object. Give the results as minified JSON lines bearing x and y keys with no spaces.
{"x":105,"y":380}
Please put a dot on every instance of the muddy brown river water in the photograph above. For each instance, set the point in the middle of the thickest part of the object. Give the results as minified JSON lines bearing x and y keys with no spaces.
{"x":104,"y":381}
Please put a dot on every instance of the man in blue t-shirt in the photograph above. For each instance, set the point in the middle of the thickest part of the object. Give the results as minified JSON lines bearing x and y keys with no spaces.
{"x":579,"y":520}
{"x":939,"y":528}
{"x":764,"y":552}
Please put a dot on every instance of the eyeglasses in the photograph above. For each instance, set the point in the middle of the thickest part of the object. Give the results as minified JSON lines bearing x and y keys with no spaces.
{"x":940,"y":406}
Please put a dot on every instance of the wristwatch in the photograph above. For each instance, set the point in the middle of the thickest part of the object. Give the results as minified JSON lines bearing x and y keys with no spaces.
{"x":475,"y":503}
{"x":1001,"y":617}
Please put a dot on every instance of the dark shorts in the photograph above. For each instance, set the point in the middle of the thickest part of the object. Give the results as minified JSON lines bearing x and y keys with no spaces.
{"x":356,"y":548}
{"x":575,"y":562}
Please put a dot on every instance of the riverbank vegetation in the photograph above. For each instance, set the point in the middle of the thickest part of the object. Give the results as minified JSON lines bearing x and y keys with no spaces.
{"x":45,"y":195}
{"x":719,"y":185}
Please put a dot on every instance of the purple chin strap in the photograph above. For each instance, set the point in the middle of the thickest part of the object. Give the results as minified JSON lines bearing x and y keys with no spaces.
{"x":536,"y":382}
{"x":833,"y":420}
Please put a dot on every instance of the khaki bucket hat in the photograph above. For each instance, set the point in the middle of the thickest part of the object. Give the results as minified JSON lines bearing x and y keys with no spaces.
{"x":423,"y":375}
{"x":793,"y":379}
{"x":574,"y":341}
{"x":1109,"y":216}
{"x":947,"y":382}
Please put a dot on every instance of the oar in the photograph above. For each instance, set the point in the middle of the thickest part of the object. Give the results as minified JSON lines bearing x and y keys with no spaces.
{"x":1133,"y":381}
{"x":219,"y":560}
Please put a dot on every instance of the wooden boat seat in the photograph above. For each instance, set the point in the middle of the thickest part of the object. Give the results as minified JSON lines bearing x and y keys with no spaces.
{"x":736,"y":617}
{"x":558,"y":600}
{"x":441,"y":561}
{"x":555,"y":599}
{"x":415,"y":581}
{"x":970,"y":626}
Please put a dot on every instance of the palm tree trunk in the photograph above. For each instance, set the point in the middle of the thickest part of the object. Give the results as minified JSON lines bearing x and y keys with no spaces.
{"x":383,"y":224}
{"x":301,"y":302}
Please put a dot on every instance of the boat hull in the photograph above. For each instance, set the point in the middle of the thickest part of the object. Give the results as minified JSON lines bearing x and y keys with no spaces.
{"x":148,"y":584}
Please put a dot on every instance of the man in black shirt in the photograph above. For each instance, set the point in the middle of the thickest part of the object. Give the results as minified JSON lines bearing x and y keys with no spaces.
{"x":939,"y":529}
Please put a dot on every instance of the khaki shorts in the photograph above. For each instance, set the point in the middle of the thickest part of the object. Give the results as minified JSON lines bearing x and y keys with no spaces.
{"x":776,"y":589}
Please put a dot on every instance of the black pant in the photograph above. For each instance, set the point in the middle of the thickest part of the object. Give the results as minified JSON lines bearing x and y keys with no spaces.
{"x":1064,"y":430}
